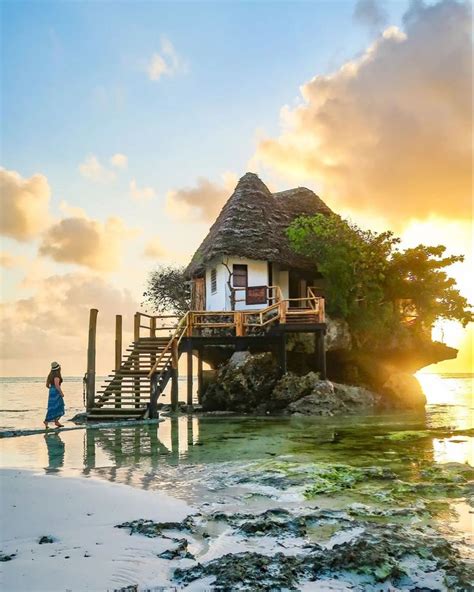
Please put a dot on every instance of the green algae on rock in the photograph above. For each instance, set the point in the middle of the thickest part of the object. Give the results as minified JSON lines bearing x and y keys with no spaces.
{"x":399,"y":556}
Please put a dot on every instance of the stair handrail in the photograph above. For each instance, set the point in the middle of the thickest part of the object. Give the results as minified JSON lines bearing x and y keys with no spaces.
{"x":260,"y":313}
{"x":177,"y":336}
{"x":317,"y":304}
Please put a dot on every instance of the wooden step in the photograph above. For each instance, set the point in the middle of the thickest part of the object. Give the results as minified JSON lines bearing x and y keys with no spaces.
{"x":113,"y":416}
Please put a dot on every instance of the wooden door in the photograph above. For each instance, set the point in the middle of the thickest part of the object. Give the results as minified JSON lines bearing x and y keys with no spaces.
{"x":198,"y":294}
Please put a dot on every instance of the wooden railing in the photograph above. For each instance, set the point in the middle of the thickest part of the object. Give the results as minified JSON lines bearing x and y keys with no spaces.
{"x":171,"y":348}
{"x":237,"y":322}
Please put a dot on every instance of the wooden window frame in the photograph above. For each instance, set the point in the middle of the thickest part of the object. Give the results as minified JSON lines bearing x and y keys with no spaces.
{"x":242,"y":266}
{"x":256,"y":295}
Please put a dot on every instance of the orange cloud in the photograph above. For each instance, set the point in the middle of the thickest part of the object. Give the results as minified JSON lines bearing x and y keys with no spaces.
{"x":154,"y":249}
{"x":86,"y":242}
{"x":56,"y":318}
{"x":8,"y":261}
{"x":204,"y":201}
{"x":24,"y":205}
{"x":389,"y":132}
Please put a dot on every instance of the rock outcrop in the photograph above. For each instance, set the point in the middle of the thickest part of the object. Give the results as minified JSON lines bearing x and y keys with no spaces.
{"x":244,"y":384}
{"x":251,"y":384}
{"x":403,"y":391}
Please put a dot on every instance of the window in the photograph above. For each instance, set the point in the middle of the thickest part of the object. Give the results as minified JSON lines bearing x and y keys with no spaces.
{"x":239,"y":275}
{"x":213,"y":281}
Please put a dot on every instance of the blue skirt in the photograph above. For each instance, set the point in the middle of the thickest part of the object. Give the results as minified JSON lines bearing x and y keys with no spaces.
{"x":55,"y":405}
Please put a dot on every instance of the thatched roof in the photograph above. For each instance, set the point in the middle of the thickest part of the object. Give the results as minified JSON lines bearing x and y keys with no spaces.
{"x":253,"y":222}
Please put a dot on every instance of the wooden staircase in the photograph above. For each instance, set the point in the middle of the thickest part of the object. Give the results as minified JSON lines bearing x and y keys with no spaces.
{"x":127,"y":390}
{"x":301,"y":316}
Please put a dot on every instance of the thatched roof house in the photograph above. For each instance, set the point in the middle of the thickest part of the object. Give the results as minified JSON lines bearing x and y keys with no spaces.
{"x":248,"y":240}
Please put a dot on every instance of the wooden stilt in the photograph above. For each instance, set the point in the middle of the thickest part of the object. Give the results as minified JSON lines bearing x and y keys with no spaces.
{"x":189,"y":399}
{"x":136,"y":366}
{"x":90,"y":381}
{"x":118,"y":342}
{"x":136,"y":326}
{"x":199,"y":389}
{"x":174,"y":377}
{"x":118,"y":351}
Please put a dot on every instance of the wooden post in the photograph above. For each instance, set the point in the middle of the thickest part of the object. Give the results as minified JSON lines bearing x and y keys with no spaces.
{"x":136,"y":362}
{"x":189,"y":400}
{"x":239,"y":324}
{"x":283,"y":308}
{"x":118,"y":357}
{"x":152,"y":363}
{"x":189,"y":330}
{"x":322,"y":313}
{"x":118,"y":342}
{"x":199,"y":392}
{"x":174,"y":377}
{"x":90,"y":383}
{"x":136,"y":326}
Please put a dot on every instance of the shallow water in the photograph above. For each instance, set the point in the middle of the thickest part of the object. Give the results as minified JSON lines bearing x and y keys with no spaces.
{"x":254,"y":464}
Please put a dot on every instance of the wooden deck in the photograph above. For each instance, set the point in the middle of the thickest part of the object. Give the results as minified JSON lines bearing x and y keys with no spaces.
{"x":141,"y":375}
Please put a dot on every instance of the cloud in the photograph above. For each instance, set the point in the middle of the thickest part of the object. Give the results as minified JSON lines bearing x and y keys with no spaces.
{"x":204,"y":201}
{"x":119,"y":160}
{"x":165,"y":63}
{"x":390,"y":132}
{"x":370,"y":13}
{"x":56,"y":317}
{"x":24,"y":205}
{"x":143,"y":194}
{"x":9,"y":261}
{"x":86,"y":242}
{"x":154,"y":249}
{"x":92,"y":169}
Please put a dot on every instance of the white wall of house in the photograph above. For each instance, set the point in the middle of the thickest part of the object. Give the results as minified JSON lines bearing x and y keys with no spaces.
{"x":220,"y":300}
{"x":216,"y":300}
{"x":281,"y":278}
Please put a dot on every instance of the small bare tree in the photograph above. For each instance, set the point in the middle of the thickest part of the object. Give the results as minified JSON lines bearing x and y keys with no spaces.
{"x":168,"y":290}
{"x":232,"y":290}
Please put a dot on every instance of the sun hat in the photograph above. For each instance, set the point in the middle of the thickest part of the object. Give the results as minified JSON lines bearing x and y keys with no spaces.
{"x":55,"y":366}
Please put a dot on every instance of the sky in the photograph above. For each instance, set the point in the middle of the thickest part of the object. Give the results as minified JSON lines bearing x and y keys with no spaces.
{"x":126,"y":125}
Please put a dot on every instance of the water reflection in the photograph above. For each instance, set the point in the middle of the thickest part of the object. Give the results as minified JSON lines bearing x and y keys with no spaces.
{"x":141,"y":454}
{"x":56,"y":449}
{"x":193,"y":440}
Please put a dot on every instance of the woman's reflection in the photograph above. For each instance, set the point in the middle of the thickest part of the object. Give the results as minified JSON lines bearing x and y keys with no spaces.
{"x":56,"y":448}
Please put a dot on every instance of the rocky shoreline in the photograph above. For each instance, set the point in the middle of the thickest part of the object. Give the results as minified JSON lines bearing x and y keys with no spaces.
{"x":387,"y":543}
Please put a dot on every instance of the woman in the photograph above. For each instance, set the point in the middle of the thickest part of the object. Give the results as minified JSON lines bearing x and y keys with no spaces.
{"x":56,"y":396}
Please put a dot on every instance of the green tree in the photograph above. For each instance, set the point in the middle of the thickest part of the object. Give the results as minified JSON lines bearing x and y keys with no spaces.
{"x":369,"y":277}
{"x":418,"y":275}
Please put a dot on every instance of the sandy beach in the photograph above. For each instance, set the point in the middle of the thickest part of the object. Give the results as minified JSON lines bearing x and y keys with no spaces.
{"x":79,"y":516}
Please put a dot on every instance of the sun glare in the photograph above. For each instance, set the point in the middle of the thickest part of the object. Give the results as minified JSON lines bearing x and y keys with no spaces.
{"x":434,"y":388}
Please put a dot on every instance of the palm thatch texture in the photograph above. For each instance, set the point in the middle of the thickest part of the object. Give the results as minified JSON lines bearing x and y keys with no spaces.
{"x":253,"y":223}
